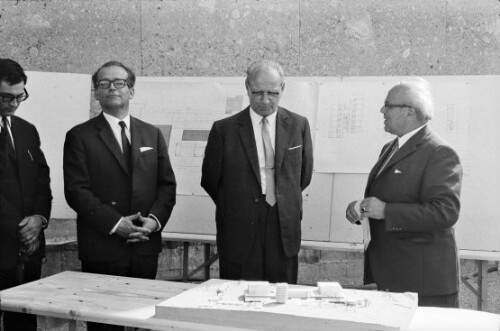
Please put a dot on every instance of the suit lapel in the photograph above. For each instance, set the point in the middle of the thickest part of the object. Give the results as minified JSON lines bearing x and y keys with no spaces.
{"x":18,"y":135}
{"x":108,"y":138}
{"x":247,"y":138}
{"x":282,"y":132}
{"x":135,"y":136}
{"x":408,"y":148}
{"x":21,"y":147}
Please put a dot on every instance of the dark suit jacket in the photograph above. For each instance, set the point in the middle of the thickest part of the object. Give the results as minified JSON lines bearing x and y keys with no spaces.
{"x":230,"y":175}
{"x":99,"y":187}
{"x":414,"y":248}
{"x":36,"y":194}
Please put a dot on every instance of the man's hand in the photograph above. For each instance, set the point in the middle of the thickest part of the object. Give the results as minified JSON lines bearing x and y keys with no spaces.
{"x":351,"y":213}
{"x":31,"y":247}
{"x":372,"y":208}
{"x":29,"y":229}
{"x":146,"y":223}
{"x":126,"y":229}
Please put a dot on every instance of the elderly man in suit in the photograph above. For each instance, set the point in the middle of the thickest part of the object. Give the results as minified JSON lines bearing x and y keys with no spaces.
{"x":25,"y":195}
{"x":119,"y":180}
{"x":256,"y":165}
{"x":412,"y":200}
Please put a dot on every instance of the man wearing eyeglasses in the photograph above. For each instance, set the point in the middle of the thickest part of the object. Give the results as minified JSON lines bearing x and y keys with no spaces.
{"x":256,"y":165}
{"x":119,"y":180}
{"x":412,"y":200}
{"x":25,"y":195}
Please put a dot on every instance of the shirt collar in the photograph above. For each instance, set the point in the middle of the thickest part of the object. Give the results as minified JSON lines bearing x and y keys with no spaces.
{"x":113,"y":121}
{"x":404,"y":138}
{"x":256,"y":118}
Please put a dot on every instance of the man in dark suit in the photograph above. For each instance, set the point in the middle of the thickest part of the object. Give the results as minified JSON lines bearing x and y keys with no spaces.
{"x":119,"y":180}
{"x":25,"y":196}
{"x":256,"y":165}
{"x":412,"y":200}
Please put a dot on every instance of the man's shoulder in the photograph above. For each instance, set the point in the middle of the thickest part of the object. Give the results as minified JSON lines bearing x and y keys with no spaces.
{"x":290,"y":114}
{"x":87,"y":124}
{"x":21,"y":121}
{"x":142,"y":124}
{"x":235,"y":118}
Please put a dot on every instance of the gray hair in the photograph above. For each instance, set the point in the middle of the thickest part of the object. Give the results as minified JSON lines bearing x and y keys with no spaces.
{"x":256,"y":66}
{"x":420,"y":98}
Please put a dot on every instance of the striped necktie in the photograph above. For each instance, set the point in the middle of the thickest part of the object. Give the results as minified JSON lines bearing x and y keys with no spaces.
{"x":393,"y":149}
{"x":269,"y":157}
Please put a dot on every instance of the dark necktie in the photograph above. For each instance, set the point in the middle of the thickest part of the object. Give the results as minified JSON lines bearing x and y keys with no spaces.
{"x":387,"y":157}
{"x":6,"y":139}
{"x":125,"y":145}
{"x":269,"y":167}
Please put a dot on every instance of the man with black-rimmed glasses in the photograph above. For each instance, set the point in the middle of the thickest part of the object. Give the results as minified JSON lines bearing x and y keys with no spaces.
{"x":25,"y":195}
{"x":118,"y":179}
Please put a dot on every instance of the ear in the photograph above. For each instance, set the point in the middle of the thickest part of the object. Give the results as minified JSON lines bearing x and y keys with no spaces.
{"x":411,"y":112}
{"x":283,"y":87}
{"x":132,"y":92}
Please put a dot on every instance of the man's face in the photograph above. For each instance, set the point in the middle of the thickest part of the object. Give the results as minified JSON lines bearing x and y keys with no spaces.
{"x":9,"y":108}
{"x":395,"y":111}
{"x":264,"y":91}
{"x":112,"y":97}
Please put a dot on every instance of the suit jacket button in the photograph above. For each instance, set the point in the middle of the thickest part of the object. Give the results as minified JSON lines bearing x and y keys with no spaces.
{"x":256,"y":200}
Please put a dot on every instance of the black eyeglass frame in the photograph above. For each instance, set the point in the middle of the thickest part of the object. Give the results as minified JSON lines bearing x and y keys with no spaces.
{"x":109,"y":82}
{"x":8,"y":98}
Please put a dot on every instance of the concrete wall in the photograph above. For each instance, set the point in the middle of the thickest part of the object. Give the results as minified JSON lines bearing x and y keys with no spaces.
{"x":221,"y":37}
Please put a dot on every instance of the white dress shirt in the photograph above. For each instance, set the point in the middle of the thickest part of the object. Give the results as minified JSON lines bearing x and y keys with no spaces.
{"x":117,"y":129}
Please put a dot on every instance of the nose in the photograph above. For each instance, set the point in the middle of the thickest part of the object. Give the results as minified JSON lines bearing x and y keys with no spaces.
{"x":382,"y":110}
{"x":14,"y":102}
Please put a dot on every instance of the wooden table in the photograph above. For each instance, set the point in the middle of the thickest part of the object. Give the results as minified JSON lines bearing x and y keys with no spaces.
{"x":78,"y":296}
{"x":131,"y":302}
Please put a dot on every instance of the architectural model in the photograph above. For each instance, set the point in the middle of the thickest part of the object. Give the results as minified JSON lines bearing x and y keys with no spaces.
{"x":264,"y":306}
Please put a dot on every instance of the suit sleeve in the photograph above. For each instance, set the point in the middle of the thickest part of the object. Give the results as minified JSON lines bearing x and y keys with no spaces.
{"x":166,"y":185}
{"x":307,"y":158}
{"x":43,"y":199}
{"x":78,"y":188}
{"x":439,"y":204}
{"x":211,"y":170}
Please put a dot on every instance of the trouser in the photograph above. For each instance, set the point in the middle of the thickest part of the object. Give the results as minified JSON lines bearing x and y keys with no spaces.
{"x":267,"y":259}
{"x":9,"y":278}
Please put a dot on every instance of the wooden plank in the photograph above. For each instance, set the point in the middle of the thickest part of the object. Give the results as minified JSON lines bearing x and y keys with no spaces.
{"x":99,"y":298}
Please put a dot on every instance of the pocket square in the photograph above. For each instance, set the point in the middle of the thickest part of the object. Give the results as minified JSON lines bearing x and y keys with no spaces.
{"x":294,"y":147}
{"x":145,"y":149}
{"x":396,"y":171}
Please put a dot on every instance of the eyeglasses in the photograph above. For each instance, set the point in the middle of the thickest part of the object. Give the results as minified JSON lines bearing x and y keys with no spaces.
{"x":389,"y":106}
{"x":117,"y":83}
{"x":270,"y":94}
{"x":8,"y":98}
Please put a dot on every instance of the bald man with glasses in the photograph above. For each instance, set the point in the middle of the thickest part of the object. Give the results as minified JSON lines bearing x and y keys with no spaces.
{"x":25,"y":195}
{"x":412,"y":201}
{"x":256,"y":165}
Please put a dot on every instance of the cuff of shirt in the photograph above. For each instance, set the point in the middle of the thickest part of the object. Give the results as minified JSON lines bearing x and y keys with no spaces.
{"x":116,"y":226}
{"x":158,"y":227}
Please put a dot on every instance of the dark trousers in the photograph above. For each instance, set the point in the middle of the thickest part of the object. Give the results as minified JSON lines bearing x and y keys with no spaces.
{"x":130,"y":265}
{"x":443,"y":301}
{"x":267,"y":260}
{"x":8,"y":279}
